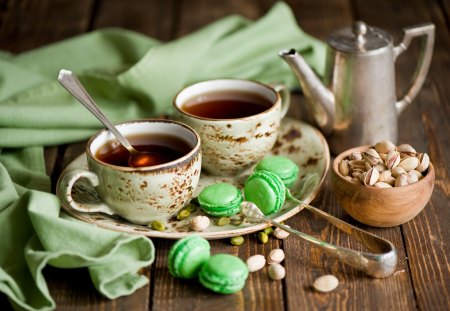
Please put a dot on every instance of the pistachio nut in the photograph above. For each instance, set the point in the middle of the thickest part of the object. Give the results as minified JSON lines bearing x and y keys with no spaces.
{"x":280,"y":233}
{"x":356,"y":173}
{"x":371,"y":177}
{"x":382,"y":184}
{"x":380,"y":167}
{"x":383,"y":156}
{"x":356,"y":156}
{"x":409,"y":163}
{"x":277,"y":272}
{"x":255,"y":262}
{"x":275,"y":256}
{"x":357,"y":164}
{"x":406,"y":149}
{"x":371,"y":156}
{"x":390,"y":180}
{"x":412,"y":178}
{"x":199,"y":223}
{"x":417,"y":173}
{"x":384,"y":175}
{"x":356,"y":180}
{"x":401,"y":180}
{"x":424,"y":162}
{"x":392,"y":159}
{"x":384,"y":146}
{"x":397,"y":171}
{"x":344,"y":168}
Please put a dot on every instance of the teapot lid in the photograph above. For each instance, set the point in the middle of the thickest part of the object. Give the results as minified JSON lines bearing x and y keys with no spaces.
{"x":360,"y":38}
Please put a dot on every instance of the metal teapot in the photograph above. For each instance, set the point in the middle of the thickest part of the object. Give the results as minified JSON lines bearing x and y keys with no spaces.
{"x":359,"y":84}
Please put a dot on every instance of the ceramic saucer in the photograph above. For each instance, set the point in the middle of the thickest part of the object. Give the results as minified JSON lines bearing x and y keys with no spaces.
{"x":298,"y":141}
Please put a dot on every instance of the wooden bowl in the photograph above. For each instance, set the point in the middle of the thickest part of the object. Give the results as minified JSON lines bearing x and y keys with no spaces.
{"x":381,"y":207}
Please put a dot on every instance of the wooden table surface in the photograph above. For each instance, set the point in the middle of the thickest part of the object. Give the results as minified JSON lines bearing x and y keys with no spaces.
{"x":422,"y":279}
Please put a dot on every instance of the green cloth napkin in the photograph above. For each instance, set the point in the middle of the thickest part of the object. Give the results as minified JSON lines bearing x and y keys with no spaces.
{"x":130,"y":76}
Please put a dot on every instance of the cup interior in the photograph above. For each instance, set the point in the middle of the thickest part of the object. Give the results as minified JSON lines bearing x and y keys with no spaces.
{"x":151,"y":127}
{"x":229,"y":89}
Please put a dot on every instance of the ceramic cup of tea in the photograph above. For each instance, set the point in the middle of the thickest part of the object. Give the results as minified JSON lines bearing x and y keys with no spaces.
{"x":139,"y":194}
{"x":237,"y":120}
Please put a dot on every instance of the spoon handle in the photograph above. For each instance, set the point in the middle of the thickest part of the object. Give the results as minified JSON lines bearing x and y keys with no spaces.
{"x":71,"y":83}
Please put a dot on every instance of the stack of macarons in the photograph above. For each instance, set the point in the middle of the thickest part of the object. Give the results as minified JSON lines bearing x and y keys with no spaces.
{"x":267,"y":186}
{"x":222,"y":273}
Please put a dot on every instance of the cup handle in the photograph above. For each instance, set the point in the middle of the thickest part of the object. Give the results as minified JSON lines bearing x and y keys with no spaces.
{"x":65,"y":192}
{"x":285,"y":94}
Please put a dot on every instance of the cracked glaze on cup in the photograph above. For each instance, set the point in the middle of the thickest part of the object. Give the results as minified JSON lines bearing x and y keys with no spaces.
{"x":230,"y":146}
{"x":141,"y":194}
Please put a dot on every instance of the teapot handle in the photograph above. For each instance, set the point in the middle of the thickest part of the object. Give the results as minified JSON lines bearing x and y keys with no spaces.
{"x":427,"y":31}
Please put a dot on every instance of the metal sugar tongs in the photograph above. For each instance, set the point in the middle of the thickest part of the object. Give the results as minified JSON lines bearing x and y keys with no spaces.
{"x":381,"y":263}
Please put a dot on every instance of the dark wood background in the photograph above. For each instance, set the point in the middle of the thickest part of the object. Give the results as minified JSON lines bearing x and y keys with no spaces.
{"x":422,"y":280}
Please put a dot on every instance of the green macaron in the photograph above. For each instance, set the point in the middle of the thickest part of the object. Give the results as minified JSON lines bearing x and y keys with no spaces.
{"x":224,"y":274}
{"x":266,"y":190}
{"x":187,"y":256}
{"x":285,"y":168}
{"x":220,"y":200}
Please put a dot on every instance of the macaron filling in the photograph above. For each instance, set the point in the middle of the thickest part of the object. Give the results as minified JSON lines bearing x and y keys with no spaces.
{"x":220,"y":200}
{"x":266,"y":190}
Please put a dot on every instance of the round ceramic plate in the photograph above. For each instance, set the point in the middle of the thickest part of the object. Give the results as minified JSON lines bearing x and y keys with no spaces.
{"x":297,"y":141}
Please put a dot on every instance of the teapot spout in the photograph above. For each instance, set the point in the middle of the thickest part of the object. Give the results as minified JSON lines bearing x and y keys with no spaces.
{"x":320,"y":99}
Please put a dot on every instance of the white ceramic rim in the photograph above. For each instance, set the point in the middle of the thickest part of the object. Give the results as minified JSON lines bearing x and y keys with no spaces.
{"x":167,"y":127}
{"x":224,"y":85}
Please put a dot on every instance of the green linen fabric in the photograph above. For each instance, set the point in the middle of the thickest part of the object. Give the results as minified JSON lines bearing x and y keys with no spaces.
{"x":130,"y":76}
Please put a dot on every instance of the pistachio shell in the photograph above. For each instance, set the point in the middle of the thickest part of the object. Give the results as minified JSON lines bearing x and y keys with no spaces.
{"x":390,"y":180}
{"x":406,"y":150}
{"x":354,"y":164}
{"x":401,"y":180}
{"x":383,"y":156}
{"x":412,"y":178}
{"x":417,"y":173}
{"x":397,"y":171}
{"x":356,"y":180}
{"x":392,"y":159}
{"x":409,"y":163}
{"x":371,"y":156}
{"x":424,"y":162}
{"x":277,"y":271}
{"x":380,"y":167}
{"x":199,"y":223}
{"x":280,"y":233}
{"x":371,"y":177}
{"x":344,"y":168}
{"x":384,"y":146}
{"x":384,"y":175}
{"x":255,"y":263}
{"x":326,"y":283}
{"x":275,"y":256}
{"x":382,"y":184}
{"x":356,"y":156}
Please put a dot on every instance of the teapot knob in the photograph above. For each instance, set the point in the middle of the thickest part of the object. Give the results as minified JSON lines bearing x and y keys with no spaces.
{"x":359,"y":30}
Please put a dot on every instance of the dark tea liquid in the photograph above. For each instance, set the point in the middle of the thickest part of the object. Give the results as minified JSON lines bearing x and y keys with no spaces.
{"x":164,"y":148}
{"x":227,"y":105}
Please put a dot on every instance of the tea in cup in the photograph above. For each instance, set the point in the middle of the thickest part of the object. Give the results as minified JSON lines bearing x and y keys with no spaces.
{"x":139,"y":194}
{"x":237,"y":120}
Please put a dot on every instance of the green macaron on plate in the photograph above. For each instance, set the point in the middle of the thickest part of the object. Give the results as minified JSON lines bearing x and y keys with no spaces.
{"x":300,"y":150}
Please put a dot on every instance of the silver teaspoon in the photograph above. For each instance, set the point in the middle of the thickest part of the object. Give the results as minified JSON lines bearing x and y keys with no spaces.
{"x":379,"y":264}
{"x":71,"y":83}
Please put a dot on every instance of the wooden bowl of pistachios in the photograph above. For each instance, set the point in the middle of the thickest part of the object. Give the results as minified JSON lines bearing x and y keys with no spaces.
{"x":383,"y":185}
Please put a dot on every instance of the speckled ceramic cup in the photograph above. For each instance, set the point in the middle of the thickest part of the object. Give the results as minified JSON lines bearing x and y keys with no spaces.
{"x":230,"y":146}
{"x":141,"y":194}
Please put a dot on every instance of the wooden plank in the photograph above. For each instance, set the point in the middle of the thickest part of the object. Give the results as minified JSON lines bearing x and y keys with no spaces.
{"x":303,"y":263}
{"x":425,"y":126}
{"x":153,"y":18}
{"x":29,"y":24}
